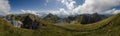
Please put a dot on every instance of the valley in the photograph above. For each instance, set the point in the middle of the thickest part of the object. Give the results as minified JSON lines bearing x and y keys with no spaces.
{"x":105,"y":27}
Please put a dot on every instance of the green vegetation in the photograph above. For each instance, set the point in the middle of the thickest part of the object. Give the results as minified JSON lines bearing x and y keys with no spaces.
{"x":106,"y":27}
{"x":51,"y":18}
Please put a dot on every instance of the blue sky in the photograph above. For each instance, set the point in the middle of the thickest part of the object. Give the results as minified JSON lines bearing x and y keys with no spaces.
{"x":63,"y":7}
{"x":17,"y":5}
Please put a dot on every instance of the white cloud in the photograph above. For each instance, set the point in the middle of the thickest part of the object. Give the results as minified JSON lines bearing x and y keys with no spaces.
{"x":68,"y":3}
{"x":46,"y":2}
{"x":113,"y":11}
{"x":116,"y":11}
{"x":61,"y":12}
{"x":4,"y":7}
{"x":92,"y":6}
{"x":109,"y":11}
{"x":29,"y":11}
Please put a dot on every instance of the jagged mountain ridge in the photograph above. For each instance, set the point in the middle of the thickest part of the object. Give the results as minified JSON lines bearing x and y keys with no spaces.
{"x":83,"y":18}
{"x":108,"y":26}
{"x":87,"y":18}
{"x":51,"y":18}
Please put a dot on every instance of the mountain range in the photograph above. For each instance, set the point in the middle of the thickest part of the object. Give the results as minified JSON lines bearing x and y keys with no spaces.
{"x":84,"y":25}
{"x":83,"y":18}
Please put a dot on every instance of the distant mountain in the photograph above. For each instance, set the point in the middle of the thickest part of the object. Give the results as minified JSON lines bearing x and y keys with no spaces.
{"x":82,"y":18}
{"x":108,"y":26}
{"x":86,"y":18}
{"x":70,"y":19}
{"x":92,"y":18}
{"x":51,"y":18}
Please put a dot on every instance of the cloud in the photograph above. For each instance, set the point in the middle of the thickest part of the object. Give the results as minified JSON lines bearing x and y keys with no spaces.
{"x":4,"y":7}
{"x":29,"y":11}
{"x":64,"y":12}
{"x":89,"y":7}
{"x":112,"y":11}
{"x":109,"y":11}
{"x":68,"y":3}
{"x":117,"y":11}
{"x":61,"y":12}
{"x":46,"y":2}
{"x":92,"y":6}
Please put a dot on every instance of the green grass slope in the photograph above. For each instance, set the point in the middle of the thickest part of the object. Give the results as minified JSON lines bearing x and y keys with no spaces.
{"x":6,"y":29}
{"x":107,"y":27}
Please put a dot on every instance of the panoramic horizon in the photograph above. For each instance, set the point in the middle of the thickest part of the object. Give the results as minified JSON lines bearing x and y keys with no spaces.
{"x":59,"y":17}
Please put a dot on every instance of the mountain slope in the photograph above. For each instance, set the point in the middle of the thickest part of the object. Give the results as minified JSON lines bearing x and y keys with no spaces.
{"x":6,"y":29}
{"x":107,"y":27}
{"x":92,"y":18}
{"x":111,"y":28}
{"x":51,"y":18}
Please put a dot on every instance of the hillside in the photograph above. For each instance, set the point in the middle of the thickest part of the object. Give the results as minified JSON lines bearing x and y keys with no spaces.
{"x":6,"y":29}
{"x":51,"y":18}
{"x":82,"y":18}
{"x":92,"y":18}
{"x":106,"y":27}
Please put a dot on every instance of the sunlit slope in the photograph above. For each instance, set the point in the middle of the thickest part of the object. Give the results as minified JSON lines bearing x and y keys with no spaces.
{"x":92,"y":26}
{"x":6,"y":29}
{"x":106,"y":27}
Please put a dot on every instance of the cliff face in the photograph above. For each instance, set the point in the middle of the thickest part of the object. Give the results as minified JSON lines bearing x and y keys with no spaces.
{"x":86,"y":19}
